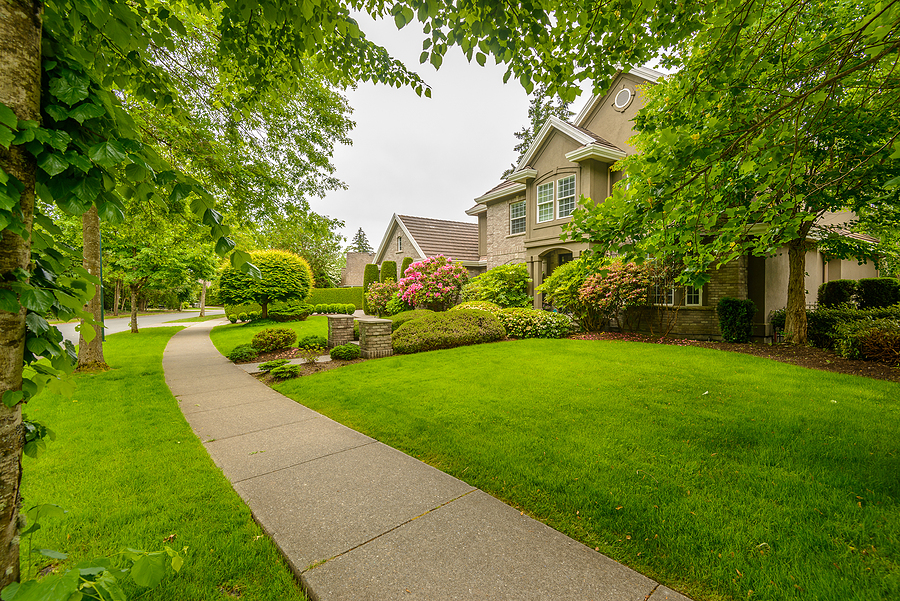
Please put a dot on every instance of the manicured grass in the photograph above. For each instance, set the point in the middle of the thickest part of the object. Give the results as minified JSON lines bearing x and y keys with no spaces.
{"x":715,"y":473}
{"x":192,"y":319}
{"x":130,"y":472}
{"x":228,"y":336}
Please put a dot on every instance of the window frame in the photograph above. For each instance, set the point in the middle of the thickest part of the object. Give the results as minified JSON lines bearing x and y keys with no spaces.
{"x":690,"y":291}
{"x":669,"y":296}
{"x":399,"y":244}
{"x":523,"y":217}
{"x":551,"y":202}
{"x":559,"y":197}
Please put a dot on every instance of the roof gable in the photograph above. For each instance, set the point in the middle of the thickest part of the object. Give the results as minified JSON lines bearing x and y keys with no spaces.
{"x":644,"y":73}
{"x":455,"y":239}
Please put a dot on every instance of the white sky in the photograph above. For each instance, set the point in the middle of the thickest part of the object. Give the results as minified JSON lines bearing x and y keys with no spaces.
{"x":428,"y":157}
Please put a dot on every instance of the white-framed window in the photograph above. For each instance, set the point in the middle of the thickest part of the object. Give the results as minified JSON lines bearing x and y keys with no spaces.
{"x":517,"y":217}
{"x":692,"y":296}
{"x":664,"y":296}
{"x":545,"y":202}
{"x":565,"y":195}
{"x":399,"y":243}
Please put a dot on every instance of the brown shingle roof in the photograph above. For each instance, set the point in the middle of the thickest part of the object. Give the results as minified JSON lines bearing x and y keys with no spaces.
{"x":500,"y":186}
{"x":456,"y":239}
{"x":598,"y":139}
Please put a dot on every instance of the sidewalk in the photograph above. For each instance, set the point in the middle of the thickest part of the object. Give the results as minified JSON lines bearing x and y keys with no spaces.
{"x":358,"y":520}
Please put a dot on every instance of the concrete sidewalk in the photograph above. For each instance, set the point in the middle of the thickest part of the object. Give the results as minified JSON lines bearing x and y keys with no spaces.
{"x":359,"y":520}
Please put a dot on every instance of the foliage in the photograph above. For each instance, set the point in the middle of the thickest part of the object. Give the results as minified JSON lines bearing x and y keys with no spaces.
{"x":447,"y":329}
{"x":736,"y":318}
{"x":389,"y":271}
{"x":284,"y":276}
{"x":285,"y":372}
{"x":370,"y":276}
{"x":617,"y":287}
{"x":346,"y":352}
{"x":290,"y":312}
{"x":873,"y":339}
{"x":504,"y":285}
{"x":401,"y":318}
{"x":433,"y":283}
{"x":407,"y":261}
{"x":396,"y":305}
{"x":533,"y":323}
{"x":350,"y":295}
{"x":227,"y":337}
{"x":541,"y":108}
{"x":360,"y":244}
{"x":488,"y":306}
{"x":273,"y":339}
{"x":873,"y":293}
{"x":270,"y":365}
{"x":232,"y":318}
{"x":312,"y":342}
{"x":562,"y":289}
{"x":824,"y":322}
{"x":836,"y":292}
{"x":380,"y":294}
{"x":243,"y":353}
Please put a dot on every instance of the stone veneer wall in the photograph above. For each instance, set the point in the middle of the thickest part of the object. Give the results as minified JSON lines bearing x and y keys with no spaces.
{"x":340,"y":330}
{"x":501,"y":247}
{"x":352,"y":274}
{"x":375,"y":338}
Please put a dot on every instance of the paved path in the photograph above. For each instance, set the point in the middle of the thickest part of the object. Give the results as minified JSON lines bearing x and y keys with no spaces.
{"x":358,"y":520}
{"x":115,"y":325}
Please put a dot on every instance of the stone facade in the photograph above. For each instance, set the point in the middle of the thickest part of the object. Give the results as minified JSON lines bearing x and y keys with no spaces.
{"x":375,"y":338}
{"x":503,"y":248}
{"x":340,"y":330}
{"x":352,"y":274}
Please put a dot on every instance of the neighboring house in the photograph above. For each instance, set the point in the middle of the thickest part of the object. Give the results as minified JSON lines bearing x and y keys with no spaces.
{"x":420,"y":237}
{"x":521,"y":219}
{"x":352,"y":273}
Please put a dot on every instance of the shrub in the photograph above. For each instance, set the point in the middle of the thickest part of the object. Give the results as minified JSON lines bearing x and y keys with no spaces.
{"x":562,"y":290}
{"x":380,"y":294}
{"x":285,"y":275}
{"x":490,"y":307}
{"x":349,"y":309}
{"x":401,"y":318}
{"x":504,"y":285}
{"x":778,"y":317}
{"x":347,"y":352}
{"x":389,"y":271}
{"x":396,"y":305}
{"x":370,"y":276}
{"x":616,"y":288}
{"x":736,"y":318}
{"x":285,"y":372}
{"x":875,"y":293}
{"x":532,"y":323}
{"x":291,"y":312}
{"x":232,"y":318}
{"x":836,"y":292}
{"x":252,"y":316}
{"x":243,"y":353}
{"x":822,"y":325}
{"x":242,"y":317}
{"x":312,"y":342}
{"x":270,"y":365}
{"x":873,"y":339}
{"x":351,"y":295}
{"x":407,"y":261}
{"x":446,"y":330}
{"x":433,"y":283}
{"x":273,"y":339}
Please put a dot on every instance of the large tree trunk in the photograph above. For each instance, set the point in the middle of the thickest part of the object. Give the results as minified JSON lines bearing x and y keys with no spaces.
{"x":20,"y":90}
{"x":90,"y":354}
{"x":795,"y":319}
{"x":134,"y":308}
{"x":203,"y":284}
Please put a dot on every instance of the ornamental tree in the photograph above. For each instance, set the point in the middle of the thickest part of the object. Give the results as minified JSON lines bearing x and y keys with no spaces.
{"x":433,"y":283}
{"x":616,"y":288}
{"x":504,"y":285}
{"x":284,"y":276}
{"x":380,"y":294}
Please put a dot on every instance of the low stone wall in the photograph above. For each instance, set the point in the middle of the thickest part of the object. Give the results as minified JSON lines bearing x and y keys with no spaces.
{"x":374,"y":338}
{"x":340,"y":330}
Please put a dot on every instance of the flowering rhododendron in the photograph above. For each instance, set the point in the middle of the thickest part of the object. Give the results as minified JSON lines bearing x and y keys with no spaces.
{"x":380,"y":294}
{"x":433,"y":283}
{"x":623,"y":286}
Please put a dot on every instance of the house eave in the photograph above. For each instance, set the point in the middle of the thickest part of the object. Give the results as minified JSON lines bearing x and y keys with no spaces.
{"x":523,"y":175}
{"x":509,"y":191}
{"x":476,"y":210}
{"x":593,"y":151}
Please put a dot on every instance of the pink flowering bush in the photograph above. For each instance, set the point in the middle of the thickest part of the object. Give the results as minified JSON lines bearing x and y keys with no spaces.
{"x":622,"y":287}
{"x":380,"y":294}
{"x":433,"y":283}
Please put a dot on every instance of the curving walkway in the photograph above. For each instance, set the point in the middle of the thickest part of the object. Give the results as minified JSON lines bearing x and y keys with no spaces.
{"x":358,"y":520}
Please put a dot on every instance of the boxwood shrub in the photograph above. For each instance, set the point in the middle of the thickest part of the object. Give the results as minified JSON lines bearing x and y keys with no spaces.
{"x":287,"y":371}
{"x":291,"y":312}
{"x":312,"y":342}
{"x":270,"y":365}
{"x":533,"y":323}
{"x":347,"y":352}
{"x":876,"y":293}
{"x":736,"y":318}
{"x":446,"y":329}
{"x":273,"y":339}
{"x":488,"y":306}
{"x":243,"y":353}
{"x":836,"y":292}
{"x":401,"y":318}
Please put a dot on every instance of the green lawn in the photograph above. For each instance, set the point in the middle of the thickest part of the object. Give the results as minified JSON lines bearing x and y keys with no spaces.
{"x":192,"y":319}
{"x":228,"y":336}
{"x":130,"y":472}
{"x":720,"y":474}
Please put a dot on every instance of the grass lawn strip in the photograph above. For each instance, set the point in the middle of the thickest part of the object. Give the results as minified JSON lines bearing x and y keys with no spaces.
{"x":193,"y":319}
{"x":130,"y":472}
{"x":228,"y":336}
{"x":719,"y":474}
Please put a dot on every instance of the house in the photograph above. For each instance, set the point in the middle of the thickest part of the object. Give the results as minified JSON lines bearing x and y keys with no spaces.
{"x":353,"y":272}
{"x":521,"y":219}
{"x":420,"y":237}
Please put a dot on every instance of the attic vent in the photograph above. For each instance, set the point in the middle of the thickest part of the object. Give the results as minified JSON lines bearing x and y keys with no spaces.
{"x":623,"y":98}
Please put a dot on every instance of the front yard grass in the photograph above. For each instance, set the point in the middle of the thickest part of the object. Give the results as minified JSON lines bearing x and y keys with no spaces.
{"x":193,"y":319}
{"x":226,"y":337}
{"x":719,"y":474}
{"x":131,"y":473}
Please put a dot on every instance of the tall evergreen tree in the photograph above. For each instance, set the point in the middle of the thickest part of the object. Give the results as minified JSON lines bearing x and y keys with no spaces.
{"x":541,"y":108}
{"x":360,"y":244}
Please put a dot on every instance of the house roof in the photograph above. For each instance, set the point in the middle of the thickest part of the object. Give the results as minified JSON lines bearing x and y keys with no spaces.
{"x":644,"y":73}
{"x":455,"y":239}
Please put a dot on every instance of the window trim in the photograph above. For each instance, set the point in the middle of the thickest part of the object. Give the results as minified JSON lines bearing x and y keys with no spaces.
{"x":551,"y":202}
{"x":699,"y":293}
{"x":523,"y":217}
{"x":559,"y":199}
{"x":399,"y":244}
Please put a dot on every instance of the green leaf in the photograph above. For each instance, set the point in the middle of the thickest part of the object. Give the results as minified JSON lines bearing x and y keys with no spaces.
{"x":37,"y":299}
{"x":8,"y":301}
{"x":107,"y":154}
{"x":7,"y":116}
{"x":52,"y":163}
{"x":179,"y":192}
{"x":85,"y":111}
{"x":177,"y":563}
{"x":480,"y":58}
{"x":110,"y":208}
{"x":53,"y":554}
{"x":57,"y":112}
{"x":224,"y":246}
{"x":36,"y":323}
{"x":13,"y":397}
{"x":149,"y":569}
{"x":87,"y":189}
{"x":70,"y":88}
{"x":6,"y":137}
{"x":238,"y":258}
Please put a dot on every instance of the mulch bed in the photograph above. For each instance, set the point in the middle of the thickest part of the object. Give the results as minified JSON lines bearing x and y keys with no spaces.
{"x":804,"y":356}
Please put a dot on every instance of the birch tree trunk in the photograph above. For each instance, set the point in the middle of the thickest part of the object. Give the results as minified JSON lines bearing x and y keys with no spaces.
{"x":203,"y":284}
{"x":20,"y":89}
{"x":90,"y":354}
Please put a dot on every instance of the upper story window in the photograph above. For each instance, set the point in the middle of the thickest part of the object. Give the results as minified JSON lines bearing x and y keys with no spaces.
{"x":399,"y":243}
{"x":545,"y":202}
{"x":517,"y":217}
{"x":565,"y":193}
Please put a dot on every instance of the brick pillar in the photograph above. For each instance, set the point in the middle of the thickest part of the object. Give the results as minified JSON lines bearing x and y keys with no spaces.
{"x":375,"y":338}
{"x":340,"y":330}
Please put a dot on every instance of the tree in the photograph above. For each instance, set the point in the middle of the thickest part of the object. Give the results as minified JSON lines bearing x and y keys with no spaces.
{"x":285,"y":276}
{"x":314,"y":237}
{"x":541,"y":108}
{"x":360,"y":244}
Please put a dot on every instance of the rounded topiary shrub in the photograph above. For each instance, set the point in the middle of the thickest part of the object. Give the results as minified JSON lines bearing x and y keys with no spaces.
{"x":488,"y":306}
{"x":347,"y":352}
{"x":447,"y":330}
{"x":273,"y":339}
{"x":232,"y":318}
{"x":312,"y":342}
{"x":243,"y":353}
{"x":283,"y":276}
{"x":836,"y":292}
{"x":533,"y":323}
{"x":401,"y":318}
{"x":242,"y":317}
{"x":736,"y":318}
{"x":875,"y":293}
{"x":285,"y":372}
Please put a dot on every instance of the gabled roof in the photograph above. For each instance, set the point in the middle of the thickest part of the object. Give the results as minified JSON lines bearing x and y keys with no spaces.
{"x":502,"y":189}
{"x":643,"y":72}
{"x":579,"y":134}
{"x":455,"y":239}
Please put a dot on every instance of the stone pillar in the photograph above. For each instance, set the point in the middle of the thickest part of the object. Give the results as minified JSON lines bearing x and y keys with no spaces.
{"x":374,"y":338}
{"x":340,"y":330}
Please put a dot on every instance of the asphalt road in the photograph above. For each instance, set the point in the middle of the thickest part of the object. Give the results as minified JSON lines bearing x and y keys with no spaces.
{"x":120,"y":324}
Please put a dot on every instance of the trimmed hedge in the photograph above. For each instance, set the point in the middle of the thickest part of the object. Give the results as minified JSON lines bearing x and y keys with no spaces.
{"x":875,"y":293}
{"x":533,"y":323}
{"x":291,"y":312}
{"x":347,"y":352}
{"x":447,"y":329}
{"x":329,"y":296}
{"x":273,"y":339}
{"x":492,"y":308}
{"x":389,"y":271}
{"x":401,"y":318}
{"x":736,"y":318}
{"x":404,"y":266}
{"x":370,"y":275}
{"x":836,"y":292}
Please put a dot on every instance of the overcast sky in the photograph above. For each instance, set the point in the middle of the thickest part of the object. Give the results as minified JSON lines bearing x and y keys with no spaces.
{"x":428,"y":157}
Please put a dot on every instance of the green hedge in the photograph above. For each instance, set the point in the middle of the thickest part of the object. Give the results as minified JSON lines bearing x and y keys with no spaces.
{"x":822,"y":324}
{"x":447,"y":329}
{"x":330,"y":296}
{"x":404,"y":266}
{"x":389,"y":271}
{"x":401,"y":318}
{"x":836,"y":292}
{"x":875,"y":293}
{"x":520,"y":322}
{"x":736,"y":318}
